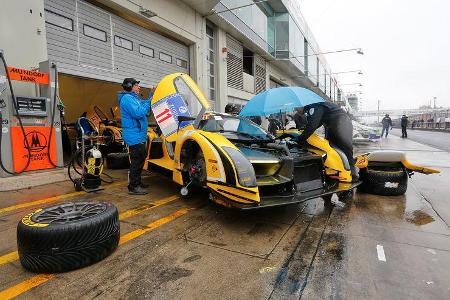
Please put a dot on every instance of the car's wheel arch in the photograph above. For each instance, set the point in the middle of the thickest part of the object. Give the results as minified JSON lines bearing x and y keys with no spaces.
{"x":187,"y":149}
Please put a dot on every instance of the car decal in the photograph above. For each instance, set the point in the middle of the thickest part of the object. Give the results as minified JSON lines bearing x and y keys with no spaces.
{"x":232,"y":186}
{"x":166,"y":112}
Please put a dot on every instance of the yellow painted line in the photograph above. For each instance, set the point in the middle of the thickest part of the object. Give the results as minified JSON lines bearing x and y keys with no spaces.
{"x":138,"y":232}
{"x":24,"y":286}
{"x":53,"y":199}
{"x":13,"y":256}
{"x":35,"y":281}
{"x":135,"y":211}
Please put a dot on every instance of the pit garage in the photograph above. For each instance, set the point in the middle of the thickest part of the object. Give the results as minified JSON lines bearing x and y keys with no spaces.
{"x":94,"y":50}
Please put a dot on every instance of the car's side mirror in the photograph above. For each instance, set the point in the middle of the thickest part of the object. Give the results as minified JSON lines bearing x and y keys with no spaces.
{"x":185,"y":118}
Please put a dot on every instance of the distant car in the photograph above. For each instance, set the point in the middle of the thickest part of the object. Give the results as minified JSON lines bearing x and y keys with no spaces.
{"x":365,"y":134}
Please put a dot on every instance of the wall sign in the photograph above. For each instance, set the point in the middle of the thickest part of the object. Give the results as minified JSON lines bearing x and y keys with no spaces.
{"x":27,"y":75}
{"x":37,"y":138}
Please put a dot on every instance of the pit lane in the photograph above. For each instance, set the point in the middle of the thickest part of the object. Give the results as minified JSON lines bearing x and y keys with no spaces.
{"x":189,"y":248}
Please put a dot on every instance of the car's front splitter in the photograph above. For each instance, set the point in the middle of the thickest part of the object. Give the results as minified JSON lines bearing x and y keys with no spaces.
{"x":294,"y":198}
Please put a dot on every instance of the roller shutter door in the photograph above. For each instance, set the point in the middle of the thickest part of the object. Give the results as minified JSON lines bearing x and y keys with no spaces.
{"x":235,"y":68}
{"x":91,"y":42}
{"x":260,"y":74}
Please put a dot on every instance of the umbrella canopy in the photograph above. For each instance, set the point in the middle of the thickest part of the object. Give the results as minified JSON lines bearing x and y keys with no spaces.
{"x":282,"y":99}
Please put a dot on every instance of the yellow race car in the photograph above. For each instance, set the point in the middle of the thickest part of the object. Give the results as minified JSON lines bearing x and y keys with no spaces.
{"x":240,"y":164}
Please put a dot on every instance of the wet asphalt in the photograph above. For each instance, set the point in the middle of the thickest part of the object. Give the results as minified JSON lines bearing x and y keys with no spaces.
{"x":372,"y":248}
{"x":437,"y":139}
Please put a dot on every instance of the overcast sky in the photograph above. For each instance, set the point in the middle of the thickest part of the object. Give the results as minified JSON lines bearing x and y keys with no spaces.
{"x":406,"y":46}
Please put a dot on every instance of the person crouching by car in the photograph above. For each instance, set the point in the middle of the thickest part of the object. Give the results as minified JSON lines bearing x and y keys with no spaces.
{"x":134,"y":111}
{"x":300,"y":119}
{"x":338,"y":129}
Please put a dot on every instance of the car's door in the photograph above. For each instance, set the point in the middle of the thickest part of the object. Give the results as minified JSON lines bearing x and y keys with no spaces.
{"x":177,"y":95}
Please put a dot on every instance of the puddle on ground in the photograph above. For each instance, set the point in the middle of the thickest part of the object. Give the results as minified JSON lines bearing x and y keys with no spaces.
{"x":418,"y":217}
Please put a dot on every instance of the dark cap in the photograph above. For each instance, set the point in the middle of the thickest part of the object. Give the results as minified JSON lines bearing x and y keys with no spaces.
{"x":128,"y":83}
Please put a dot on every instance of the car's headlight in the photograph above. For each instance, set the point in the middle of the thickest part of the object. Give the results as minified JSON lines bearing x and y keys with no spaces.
{"x":244,"y":169}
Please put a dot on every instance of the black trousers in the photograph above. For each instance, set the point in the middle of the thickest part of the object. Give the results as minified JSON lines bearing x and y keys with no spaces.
{"x":137,"y":160}
{"x":404,"y":133}
{"x":340,"y":134}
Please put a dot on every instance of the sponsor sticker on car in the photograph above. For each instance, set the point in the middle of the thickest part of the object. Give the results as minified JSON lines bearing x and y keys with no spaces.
{"x":166,"y":113}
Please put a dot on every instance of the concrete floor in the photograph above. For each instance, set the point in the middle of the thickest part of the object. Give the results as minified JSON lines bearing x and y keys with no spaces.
{"x":302,"y":251}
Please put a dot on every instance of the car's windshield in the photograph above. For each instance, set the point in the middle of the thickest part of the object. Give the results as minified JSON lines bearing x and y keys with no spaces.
{"x":241,"y":127}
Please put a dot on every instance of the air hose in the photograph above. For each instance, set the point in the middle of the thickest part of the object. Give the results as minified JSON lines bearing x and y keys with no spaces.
{"x":27,"y":144}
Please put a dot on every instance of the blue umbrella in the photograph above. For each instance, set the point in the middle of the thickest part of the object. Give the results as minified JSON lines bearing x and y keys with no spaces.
{"x":282,"y":99}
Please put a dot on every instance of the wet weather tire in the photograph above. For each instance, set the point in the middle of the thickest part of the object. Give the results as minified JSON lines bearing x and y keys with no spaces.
{"x":383,"y":182}
{"x":67,"y":236}
{"x":117,"y":161}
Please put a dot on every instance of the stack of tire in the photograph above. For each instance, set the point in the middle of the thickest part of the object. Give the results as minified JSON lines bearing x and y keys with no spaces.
{"x":388,"y":179}
{"x":67,"y":236}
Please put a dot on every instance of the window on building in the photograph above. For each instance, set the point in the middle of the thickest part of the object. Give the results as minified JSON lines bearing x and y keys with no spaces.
{"x":123,"y":43}
{"x":94,"y":33}
{"x":210,"y":61}
{"x":247,"y":61}
{"x":254,"y":16}
{"x":282,"y":35}
{"x":146,"y":51}
{"x":165,"y":57}
{"x":182,"y":63}
{"x":296,"y":45}
{"x":58,"y":20}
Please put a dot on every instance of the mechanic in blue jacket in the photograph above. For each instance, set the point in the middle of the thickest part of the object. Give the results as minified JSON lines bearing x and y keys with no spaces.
{"x":134,"y":111}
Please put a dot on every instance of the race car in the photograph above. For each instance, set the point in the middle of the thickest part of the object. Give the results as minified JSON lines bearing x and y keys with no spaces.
{"x":363,"y":134}
{"x":240,"y":164}
{"x":114,"y":148}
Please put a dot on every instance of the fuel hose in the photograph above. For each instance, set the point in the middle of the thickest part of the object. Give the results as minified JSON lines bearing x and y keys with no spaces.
{"x":27,"y":144}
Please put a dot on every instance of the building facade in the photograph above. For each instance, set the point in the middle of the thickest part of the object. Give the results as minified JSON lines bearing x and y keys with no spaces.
{"x":233,"y":49}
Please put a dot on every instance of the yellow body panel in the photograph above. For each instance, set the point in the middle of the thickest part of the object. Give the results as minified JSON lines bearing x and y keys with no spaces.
{"x":362,"y":161}
{"x":419,"y":169}
{"x":333,"y":162}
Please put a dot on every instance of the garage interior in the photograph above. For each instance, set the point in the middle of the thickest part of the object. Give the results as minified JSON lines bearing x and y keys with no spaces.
{"x":80,"y":94}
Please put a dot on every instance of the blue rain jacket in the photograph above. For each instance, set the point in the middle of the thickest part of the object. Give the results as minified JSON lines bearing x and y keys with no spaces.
{"x":134,"y":117}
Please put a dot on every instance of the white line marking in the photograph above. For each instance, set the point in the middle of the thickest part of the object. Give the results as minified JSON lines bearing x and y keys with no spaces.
{"x":431,"y":251}
{"x":380,"y":252}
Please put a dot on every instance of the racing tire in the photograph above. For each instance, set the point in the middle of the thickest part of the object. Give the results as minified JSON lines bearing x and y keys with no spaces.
{"x":384,"y":182}
{"x":117,"y":161}
{"x":67,"y":236}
